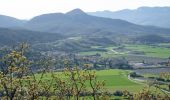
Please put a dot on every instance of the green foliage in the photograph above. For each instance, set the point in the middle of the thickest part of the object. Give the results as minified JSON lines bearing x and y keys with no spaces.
{"x":12,"y":37}
{"x":18,"y":80}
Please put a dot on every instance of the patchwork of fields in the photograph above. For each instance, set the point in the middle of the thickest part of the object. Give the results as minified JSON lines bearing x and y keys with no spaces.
{"x":151,"y":51}
{"x":160,"y":51}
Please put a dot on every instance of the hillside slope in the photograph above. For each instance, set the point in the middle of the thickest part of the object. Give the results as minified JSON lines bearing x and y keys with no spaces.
{"x":78,"y":22}
{"x":11,"y":37}
{"x":6,"y":22}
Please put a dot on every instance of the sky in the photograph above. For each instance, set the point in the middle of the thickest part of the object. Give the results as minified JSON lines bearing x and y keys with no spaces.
{"x":26,"y":9}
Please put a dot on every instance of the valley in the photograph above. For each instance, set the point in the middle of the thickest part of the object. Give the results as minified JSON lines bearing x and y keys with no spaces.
{"x":78,"y":56}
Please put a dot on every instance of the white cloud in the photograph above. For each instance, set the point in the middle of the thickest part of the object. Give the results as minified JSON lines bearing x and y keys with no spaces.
{"x":29,"y":8}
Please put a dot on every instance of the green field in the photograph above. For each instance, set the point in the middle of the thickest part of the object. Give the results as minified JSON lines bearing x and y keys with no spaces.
{"x":115,"y":79}
{"x":149,"y":51}
{"x":107,"y":54}
{"x":118,"y":80}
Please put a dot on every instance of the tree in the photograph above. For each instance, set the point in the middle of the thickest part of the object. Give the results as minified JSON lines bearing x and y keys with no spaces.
{"x":19,"y":80}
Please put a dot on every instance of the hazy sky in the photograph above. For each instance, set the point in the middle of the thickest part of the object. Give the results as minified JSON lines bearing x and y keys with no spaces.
{"x":25,"y":9}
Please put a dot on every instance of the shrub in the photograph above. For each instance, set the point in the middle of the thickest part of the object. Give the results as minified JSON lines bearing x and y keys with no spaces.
{"x":134,"y":74}
{"x":118,"y":93}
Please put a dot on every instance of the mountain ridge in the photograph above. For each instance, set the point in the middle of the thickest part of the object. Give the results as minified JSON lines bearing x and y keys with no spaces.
{"x":78,"y":22}
{"x":7,"y":21}
{"x":154,"y":16}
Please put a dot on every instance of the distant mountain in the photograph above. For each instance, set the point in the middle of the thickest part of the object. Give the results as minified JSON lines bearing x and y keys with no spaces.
{"x":79,"y":32}
{"x":155,"y":16}
{"x":6,"y":21}
{"x":78,"y":22}
{"x":11,"y":36}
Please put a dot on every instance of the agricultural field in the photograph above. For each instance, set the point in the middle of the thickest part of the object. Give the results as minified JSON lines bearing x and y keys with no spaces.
{"x":108,"y":53}
{"x":129,"y":49}
{"x":164,"y":44}
{"x":115,"y":79}
{"x":161,"y":75}
{"x":152,"y":71}
{"x":151,"y":51}
{"x":118,"y":80}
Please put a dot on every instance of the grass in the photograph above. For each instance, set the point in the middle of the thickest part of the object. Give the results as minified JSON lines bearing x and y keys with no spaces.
{"x":150,"y":75}
{"x":151,"y":51}
{"x":107,"y":54}
{"x":91,"y":52}
{"x":115,"y":79}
